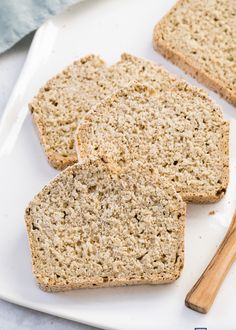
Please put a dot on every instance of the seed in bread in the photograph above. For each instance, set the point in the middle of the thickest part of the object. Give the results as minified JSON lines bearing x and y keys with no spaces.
{"x":94,"y":227}
{"x":181,"y":132}
{"x":199,"y":36}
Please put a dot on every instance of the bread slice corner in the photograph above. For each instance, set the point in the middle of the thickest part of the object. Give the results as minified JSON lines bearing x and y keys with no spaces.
{"x":195,"y":36}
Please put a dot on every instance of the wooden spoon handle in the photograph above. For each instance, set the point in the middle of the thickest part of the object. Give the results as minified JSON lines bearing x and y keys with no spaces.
{"x":202,"y":295}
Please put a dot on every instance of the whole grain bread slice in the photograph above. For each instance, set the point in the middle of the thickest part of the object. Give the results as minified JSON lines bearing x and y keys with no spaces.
{"x":59,"y":103}
{"x":93,"y":226}
{"x":181,"y":132}
{"x":64,"y":100}
{"x":199,"y":36}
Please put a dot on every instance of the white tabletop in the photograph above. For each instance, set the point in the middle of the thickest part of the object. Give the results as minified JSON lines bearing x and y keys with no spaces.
{"x":12,"y":316}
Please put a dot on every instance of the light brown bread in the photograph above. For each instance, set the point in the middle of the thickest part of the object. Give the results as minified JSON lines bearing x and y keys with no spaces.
{"x":64,"y":100}
{"x":59,"y":104}
{"x":131,"y":68}
{"x":199,"y":36}
{"x":180,"y":131}
{"x":93,"y":226}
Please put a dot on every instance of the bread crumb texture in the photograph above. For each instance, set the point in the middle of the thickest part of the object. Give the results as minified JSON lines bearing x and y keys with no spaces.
{"x":180,"y":131}
{"x":63,"y":101}
{"x":58,"y":105}
{"x":93,"y":227}
{"x":199,"y":36}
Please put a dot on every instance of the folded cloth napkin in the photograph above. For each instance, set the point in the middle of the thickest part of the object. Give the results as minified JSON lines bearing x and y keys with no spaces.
{"x":18,"y":18}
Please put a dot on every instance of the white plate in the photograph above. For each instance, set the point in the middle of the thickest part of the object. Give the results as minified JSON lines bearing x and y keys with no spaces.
{"x":107,"y":28}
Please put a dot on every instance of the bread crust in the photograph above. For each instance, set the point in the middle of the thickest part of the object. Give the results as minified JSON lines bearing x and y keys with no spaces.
{"x":185,"y":63}
{"x":96,"y":283}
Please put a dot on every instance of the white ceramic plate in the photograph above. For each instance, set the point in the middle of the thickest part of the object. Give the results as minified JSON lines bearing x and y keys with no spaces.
{"x":107,"y":28}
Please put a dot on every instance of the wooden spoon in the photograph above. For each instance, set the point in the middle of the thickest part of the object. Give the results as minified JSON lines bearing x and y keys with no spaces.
{"x":202,"y":295}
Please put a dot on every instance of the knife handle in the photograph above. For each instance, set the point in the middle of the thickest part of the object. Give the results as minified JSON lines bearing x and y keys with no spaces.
{"x":202,"y":295}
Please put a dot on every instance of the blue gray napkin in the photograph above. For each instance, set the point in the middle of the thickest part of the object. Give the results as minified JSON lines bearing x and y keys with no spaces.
{"x":20,"y":17}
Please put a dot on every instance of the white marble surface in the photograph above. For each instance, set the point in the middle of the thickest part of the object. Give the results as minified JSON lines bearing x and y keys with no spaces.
{"x":12,"y":316}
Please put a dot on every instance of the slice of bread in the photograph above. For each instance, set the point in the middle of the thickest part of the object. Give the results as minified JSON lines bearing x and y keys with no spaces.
{"x":181,"y":132}
{"x":95,"y":227}
{"x":199,"y":36}
{"x":64,"y":100}
{"x":59,"y":104}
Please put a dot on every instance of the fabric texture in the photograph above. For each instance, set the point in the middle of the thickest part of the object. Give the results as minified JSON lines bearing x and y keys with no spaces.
{"x":18,"y":18}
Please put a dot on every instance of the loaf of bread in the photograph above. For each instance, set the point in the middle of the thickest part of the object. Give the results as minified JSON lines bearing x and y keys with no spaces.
{"x":199,"y":36}
{"x":93,"y":226}
{"x":64,"y":100}
{"x":179,"y":131}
